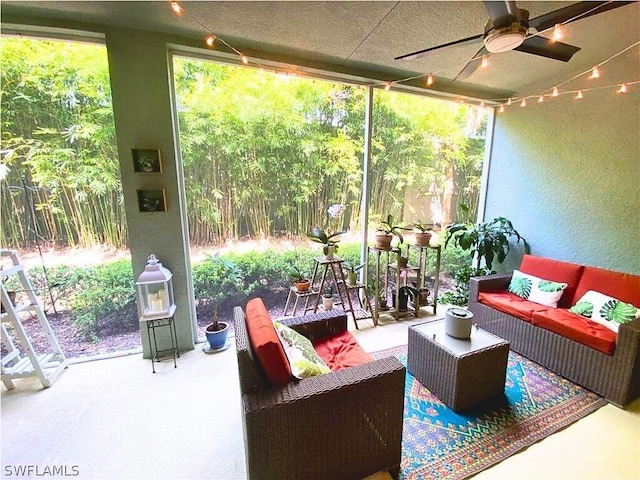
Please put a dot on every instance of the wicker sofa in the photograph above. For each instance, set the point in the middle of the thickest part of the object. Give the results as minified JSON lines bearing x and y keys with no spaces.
{"x":614,"y":375}
{"x":346,"y":424}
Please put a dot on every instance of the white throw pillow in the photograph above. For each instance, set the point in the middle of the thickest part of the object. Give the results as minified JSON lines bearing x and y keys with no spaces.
{"x":605,"y":310}
{"x":303,"y":358}
{"x":536,"y":289}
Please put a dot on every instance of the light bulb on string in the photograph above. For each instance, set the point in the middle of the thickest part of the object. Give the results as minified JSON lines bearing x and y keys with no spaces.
{"x":482,"y":104}
{"x":387,"y":86}
{"x":501,"y":109}
{"x":579,"y":95}
{"x":555,"y":92}
{"x":244,"y":59}
{"x":509,"y":102}
{"x":557,"y":33}
{"x":485,"y":61}
{"x":177,"y":8}
{"x":429,"y":80}
{"x":623,"y":88}
{"x":595,"y":73}
{"x":541,"y":99}
{"x":210,"y":40}
{"x":523,"y":103}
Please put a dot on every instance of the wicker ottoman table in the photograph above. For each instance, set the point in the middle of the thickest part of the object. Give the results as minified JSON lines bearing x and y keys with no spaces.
{"x":461,"y":373}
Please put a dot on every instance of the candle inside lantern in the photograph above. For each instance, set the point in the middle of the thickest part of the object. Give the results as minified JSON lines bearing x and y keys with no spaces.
{"x":162,"y":295}
{"x":156,"y":305}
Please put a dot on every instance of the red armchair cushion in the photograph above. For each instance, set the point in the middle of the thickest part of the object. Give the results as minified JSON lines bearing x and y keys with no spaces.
{"x":265,"y":343}
{"x":557,"y":271}
{"x":511,"y":304}
{"x":577,"y":328}
{"x":623,"y":286}
{"x":341,"y":350}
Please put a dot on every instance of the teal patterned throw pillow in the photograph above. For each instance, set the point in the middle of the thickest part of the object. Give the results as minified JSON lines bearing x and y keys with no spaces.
{"x":303,"y":358}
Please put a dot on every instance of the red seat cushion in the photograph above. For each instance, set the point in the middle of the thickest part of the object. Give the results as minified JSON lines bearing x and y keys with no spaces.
{"x":556,"y":271}
{"x":622,"y":286}
{"x":512,"y":304}
{"x":341,"y":350}
{"x":577,"y":328}
{"x":266,"y":344}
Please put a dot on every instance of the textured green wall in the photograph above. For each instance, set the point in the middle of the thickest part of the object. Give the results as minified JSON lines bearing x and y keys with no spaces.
{"x":567,"y":174}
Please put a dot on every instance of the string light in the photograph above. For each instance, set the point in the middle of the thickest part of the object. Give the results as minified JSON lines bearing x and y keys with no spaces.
{"x":595,"y":73}
{"x":387,"y":86}
{"x":244,"y":59}
{"x":509,"y":102}
{"x":501,"y":109}
{"x":558,"y":34}
{"x":579,"y":95}
{"x":177,"y":8}
{"x":482,"y":104}
{"x":555,"y":92}
{"x":429,"y":80}
{"x":485,"y":62}
{"x":541,"y":99}
{"x":210,"y":40}
{"x":523,"y":103}
{"x":623,"y":88}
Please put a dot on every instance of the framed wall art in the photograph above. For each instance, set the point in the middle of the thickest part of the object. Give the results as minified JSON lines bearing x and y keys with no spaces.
{"x":152,"y":201}
{"x":146,"y":161}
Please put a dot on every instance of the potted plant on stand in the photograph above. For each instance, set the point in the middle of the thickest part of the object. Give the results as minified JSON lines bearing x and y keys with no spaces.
{"x":300,"y":280}
{"x":352,"y":273}
{"x":423,"y":233}
{"x":386,"y":231}
{"x":329,"y":240}
{"x":327,"y":298}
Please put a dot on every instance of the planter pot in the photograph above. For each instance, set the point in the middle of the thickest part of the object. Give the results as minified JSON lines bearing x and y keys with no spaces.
{"x":423,"y":238}
{"x":403,"y":299}
{"x":302,"y":285}
{"x":327,"y":302}
{"x":458,"y":322}
{"x":329,"y":250}
{"x":403,"y":262}
{"x":423,"y":296}
{"x":382,"y":304}
{"x":352,"y":278}
{"x":217,"y":338}
{"x":383,"y":241}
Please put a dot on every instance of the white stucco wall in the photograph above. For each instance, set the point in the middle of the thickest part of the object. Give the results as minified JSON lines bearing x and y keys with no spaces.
{"x":567,"y":174}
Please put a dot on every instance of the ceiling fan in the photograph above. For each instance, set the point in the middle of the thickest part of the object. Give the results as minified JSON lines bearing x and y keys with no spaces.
{"x":508,"y":29}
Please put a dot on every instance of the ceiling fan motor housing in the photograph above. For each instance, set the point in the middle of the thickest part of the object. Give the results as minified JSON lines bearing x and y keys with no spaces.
{"x":509,"y":33}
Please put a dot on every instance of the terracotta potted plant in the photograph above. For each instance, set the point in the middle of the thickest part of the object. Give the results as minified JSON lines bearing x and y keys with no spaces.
{"x":423,"y":233}
{"x":386,"y":231}
{"x":300,"y":281}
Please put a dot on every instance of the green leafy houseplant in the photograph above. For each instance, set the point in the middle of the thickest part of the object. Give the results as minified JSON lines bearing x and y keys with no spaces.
{"x":299,"y":279}
{"x":387,"y":229}
{"x":487,"y":241}
{"x":352,"y":272}
{"x":328,"y":239}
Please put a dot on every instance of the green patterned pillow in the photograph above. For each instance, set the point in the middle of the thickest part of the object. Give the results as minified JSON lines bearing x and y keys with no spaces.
{"x":605,"y":310}
{"x":304,"y":360}
{"x":536,"y":289}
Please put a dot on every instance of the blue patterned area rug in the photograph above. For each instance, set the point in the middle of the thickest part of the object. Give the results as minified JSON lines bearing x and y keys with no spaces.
{"x":438,"y":443}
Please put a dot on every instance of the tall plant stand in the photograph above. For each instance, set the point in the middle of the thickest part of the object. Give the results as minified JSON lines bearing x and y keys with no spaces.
{"x":22,"y":360}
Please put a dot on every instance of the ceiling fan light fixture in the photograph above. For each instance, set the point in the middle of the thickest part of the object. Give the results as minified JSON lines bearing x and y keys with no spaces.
{"x":503,"y":39}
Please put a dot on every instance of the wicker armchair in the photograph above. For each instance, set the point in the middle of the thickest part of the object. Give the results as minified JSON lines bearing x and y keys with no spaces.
{"x":343,"y":425}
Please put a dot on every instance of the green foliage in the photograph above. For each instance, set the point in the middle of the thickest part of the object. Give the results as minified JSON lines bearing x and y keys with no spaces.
{"x":462,"y":276}
{"x":487,"y":241}
{"x":217,"y":278}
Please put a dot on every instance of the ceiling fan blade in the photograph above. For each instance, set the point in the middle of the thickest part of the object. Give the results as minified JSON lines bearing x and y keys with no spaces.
{"x":545,"y":47}
{"x":426,"y":51}
{"x":566,"y":14}
{"x":472,"y":65}
{"x":502,"y":13}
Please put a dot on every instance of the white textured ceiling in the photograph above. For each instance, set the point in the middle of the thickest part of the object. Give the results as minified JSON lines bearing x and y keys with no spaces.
{"x":368,"y":35}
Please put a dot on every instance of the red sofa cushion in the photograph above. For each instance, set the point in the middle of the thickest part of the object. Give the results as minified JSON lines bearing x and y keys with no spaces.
{"x":341,"y":350}
{"x":557,"y":271}
{"x":622,"y":286}
{"x":577,"y":328}
{"x":266,"y":344}
{"x":511,"y":304}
